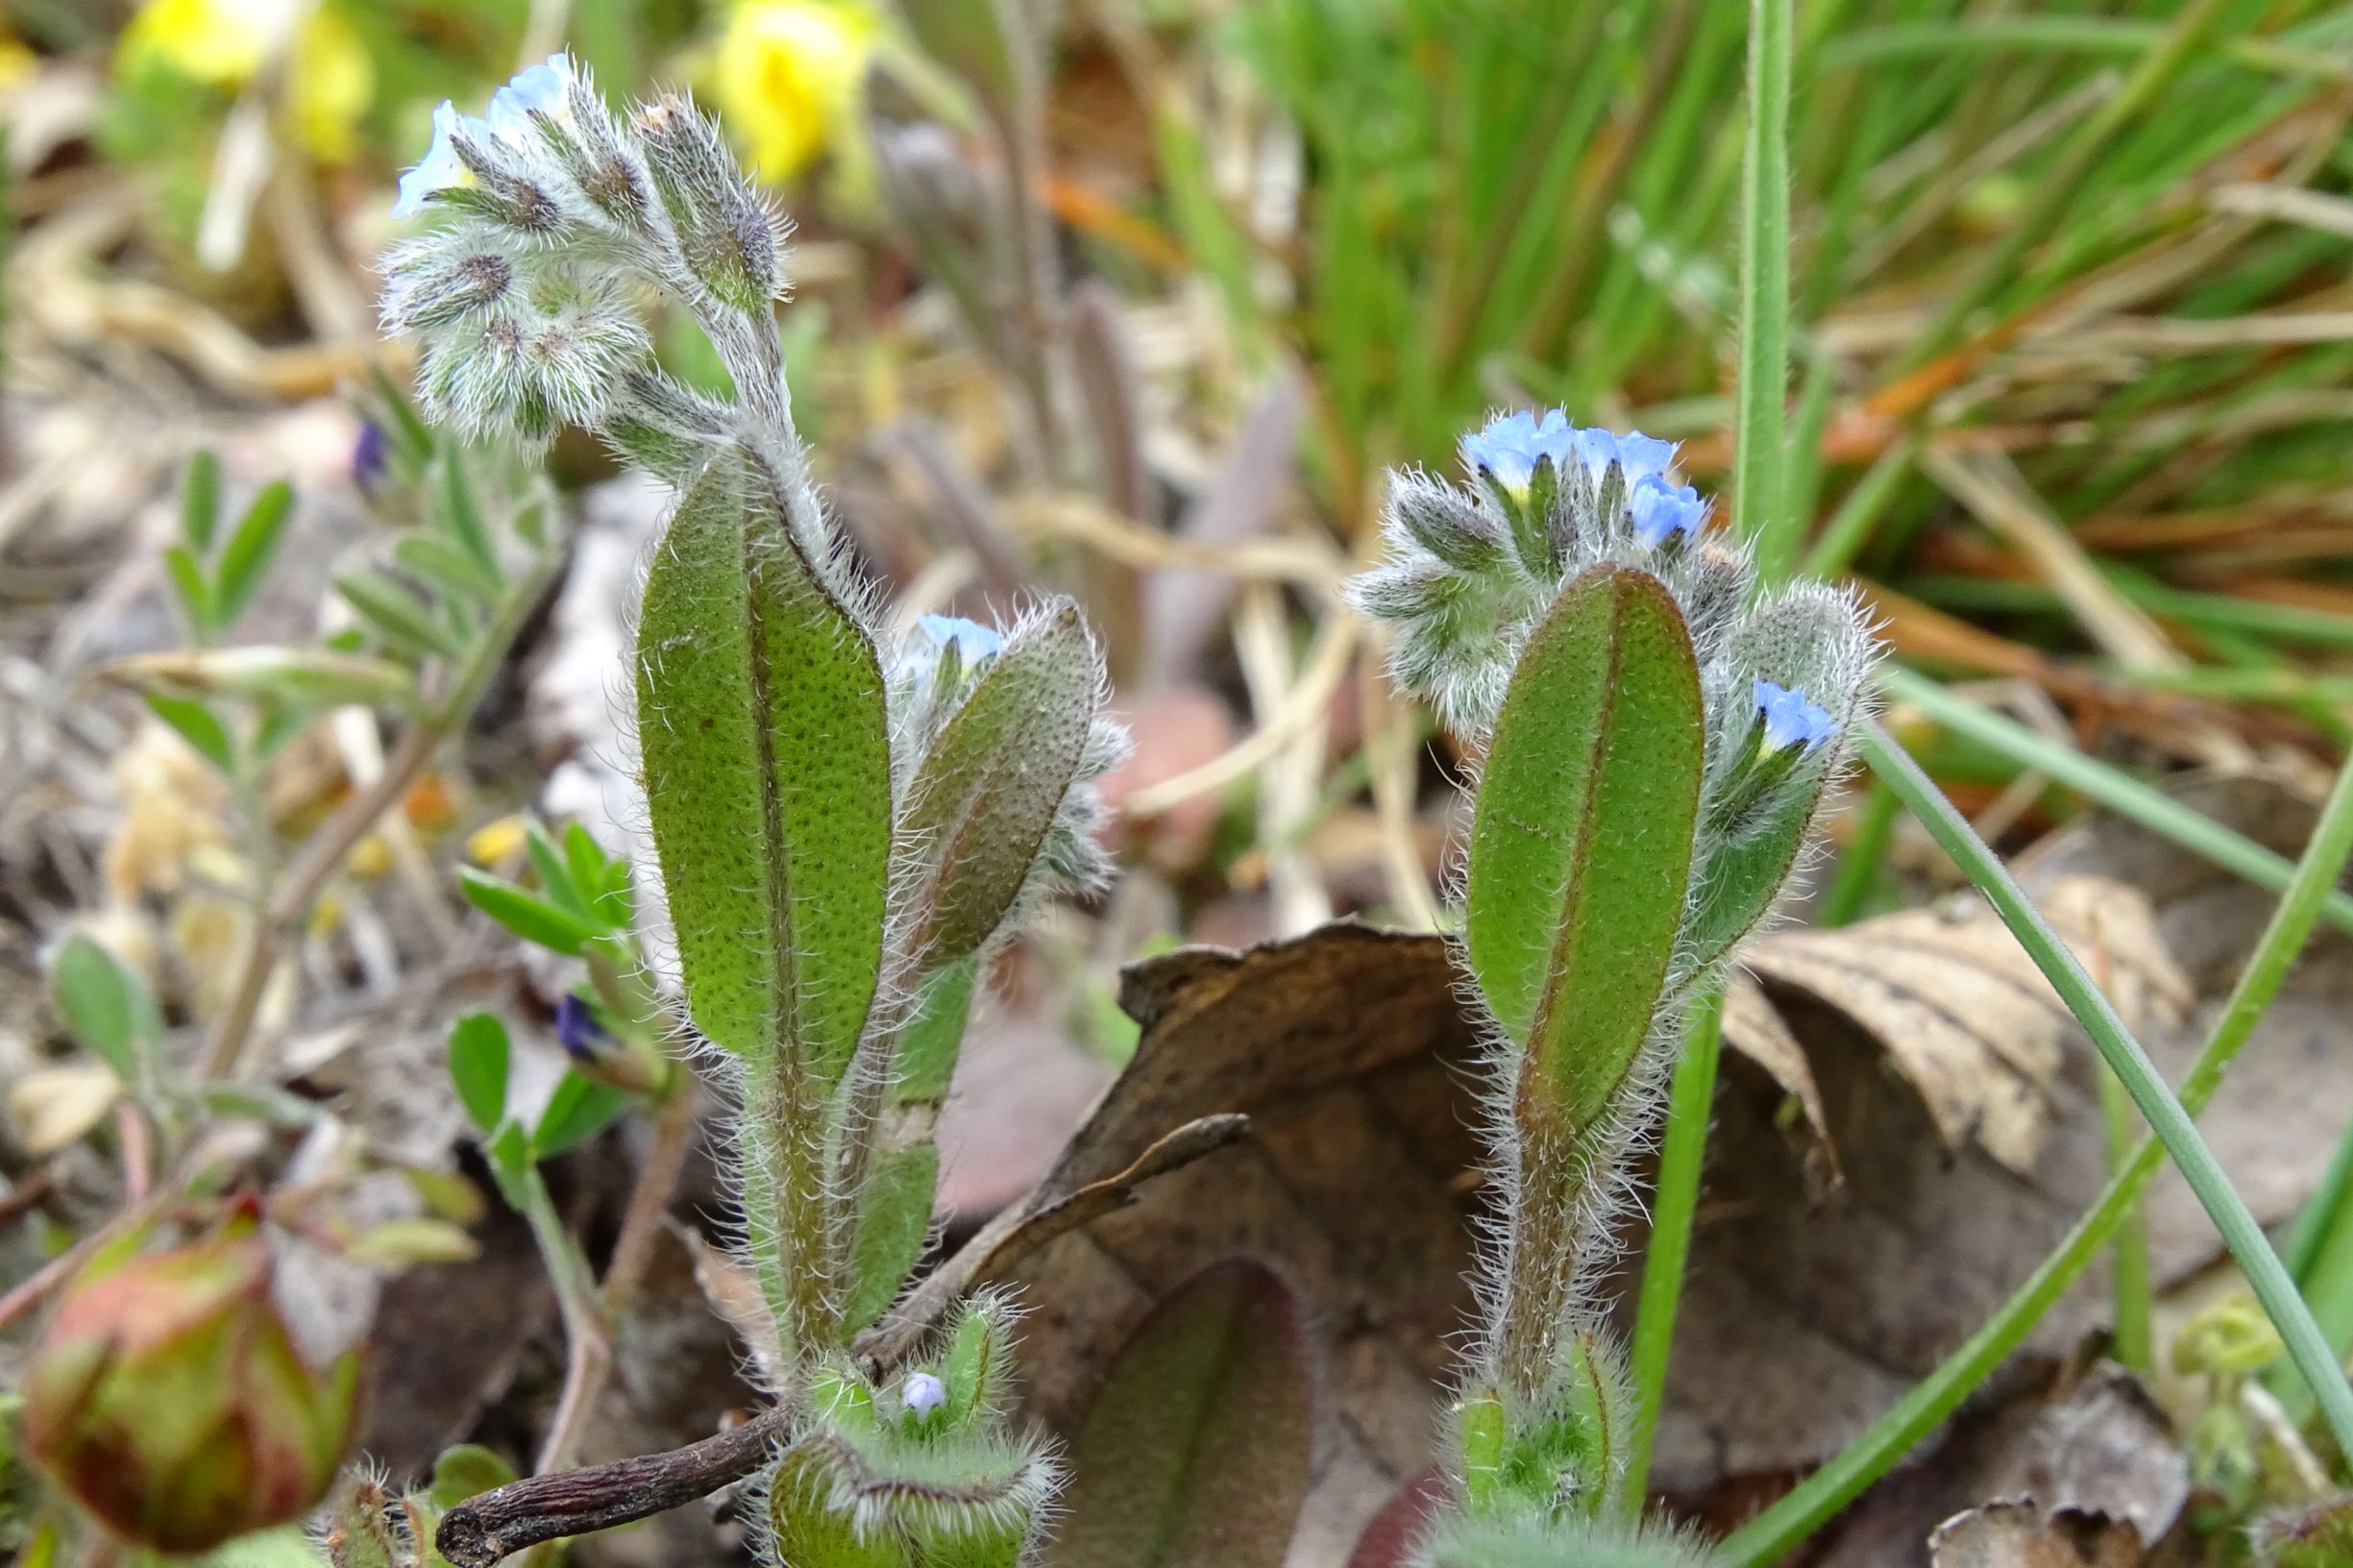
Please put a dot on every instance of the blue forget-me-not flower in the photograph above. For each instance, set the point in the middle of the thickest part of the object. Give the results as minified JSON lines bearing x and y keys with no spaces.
{"x":1659,"y":511}
{"x":1791,"y":718}
{"x":1507,"y":450}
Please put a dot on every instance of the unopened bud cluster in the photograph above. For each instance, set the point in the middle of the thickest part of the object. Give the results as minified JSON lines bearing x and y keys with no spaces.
{"x":562,"y":216}
{"x":1471,"y":569}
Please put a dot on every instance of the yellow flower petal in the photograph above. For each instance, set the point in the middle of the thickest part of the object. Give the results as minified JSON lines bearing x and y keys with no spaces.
{"x":789,"y":79}
{"x":495,"y":843}
{"x":220,"y":42}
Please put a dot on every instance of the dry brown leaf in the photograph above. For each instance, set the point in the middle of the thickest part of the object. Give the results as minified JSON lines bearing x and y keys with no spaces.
{"x":1804,"y":1319}
{"x":2015,"y":1533}
{"x":1959,"y":1008}
{"x":52,"y":1107}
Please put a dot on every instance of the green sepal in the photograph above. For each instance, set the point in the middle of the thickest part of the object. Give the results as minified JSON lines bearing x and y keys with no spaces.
{"x":767,"y":765}
{"x":989,"y":789}
{"x":893,"y":1222}
{"x":1735,"y":885}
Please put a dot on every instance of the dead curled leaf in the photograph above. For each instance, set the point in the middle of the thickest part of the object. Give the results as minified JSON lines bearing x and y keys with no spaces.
{"x":1959,"y":1008}
{"x":1961,"y":1104}
{"x":2016,"y":1534}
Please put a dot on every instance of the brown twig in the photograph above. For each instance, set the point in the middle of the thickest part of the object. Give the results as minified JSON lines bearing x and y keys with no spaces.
{"x":477,"y":1533}
{"x":481,"y":1531}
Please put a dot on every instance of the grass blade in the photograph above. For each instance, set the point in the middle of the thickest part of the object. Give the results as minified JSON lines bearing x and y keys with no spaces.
{"x":1782,"y":1525}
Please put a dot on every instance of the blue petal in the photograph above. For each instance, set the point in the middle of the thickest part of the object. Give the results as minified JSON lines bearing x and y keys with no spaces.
{"x":540,"y":89}
{"x":1791,"y":718}
{"x":1508,"y":450}
{"x":972,"y":641}
{"x":438,"y":169}
{"x":1659,"y":511}
{"x":1643,"y":456}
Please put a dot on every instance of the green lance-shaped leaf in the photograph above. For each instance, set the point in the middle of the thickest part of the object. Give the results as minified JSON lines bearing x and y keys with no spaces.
{"x":1580,"y":857}
{"x":987,"y":792}
{"x":893,"y":1222}
{"x":1196,"y":1455}
{"x":768,"y":779}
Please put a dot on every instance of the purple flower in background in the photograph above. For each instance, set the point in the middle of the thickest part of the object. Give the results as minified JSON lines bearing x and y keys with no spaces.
{"x":577,"y":1029}
{"x":1507,"y":450}
{"x":371,"y":455}
{"x":1792,"y":718}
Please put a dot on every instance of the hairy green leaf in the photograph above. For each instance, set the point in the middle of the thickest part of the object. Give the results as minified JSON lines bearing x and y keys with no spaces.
{"x":768,"y":778}
{"x":1196,"y":1455}
{"x":1579,"y":858}
{"x":1736,"y":886}
{"x":1580,"y":846}
{"x":928,"y":1045}
{"x":893,"y":1222}
{"x":987,"y":792}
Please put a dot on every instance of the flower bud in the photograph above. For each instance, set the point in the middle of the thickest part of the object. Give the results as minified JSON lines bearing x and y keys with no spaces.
{"x":168,"y":1399}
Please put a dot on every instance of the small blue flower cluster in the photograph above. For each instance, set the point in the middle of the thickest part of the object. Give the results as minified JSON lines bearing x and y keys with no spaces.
{"x":541,"y":89}
{"x":1510,"y":452}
